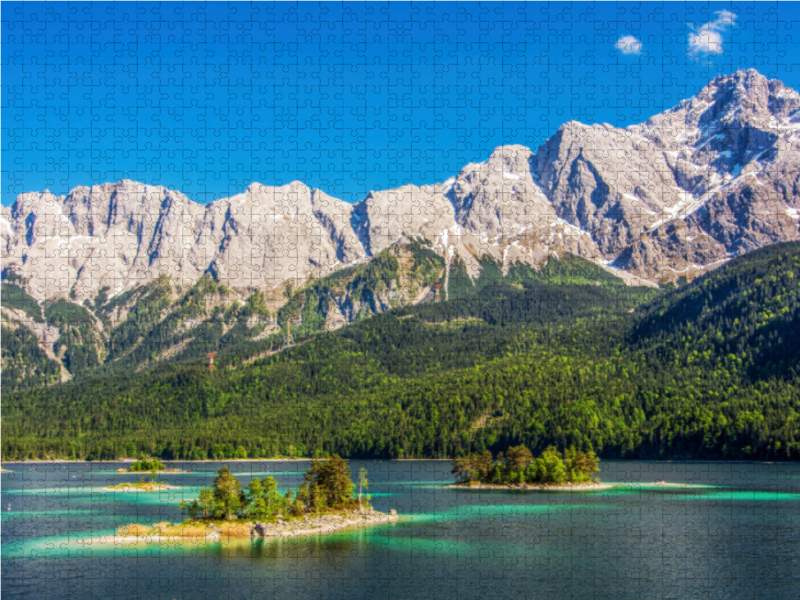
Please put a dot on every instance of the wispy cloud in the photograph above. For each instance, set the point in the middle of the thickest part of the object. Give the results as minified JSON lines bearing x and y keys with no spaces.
{"x":628,"y":44}
{"x":707,"y":39}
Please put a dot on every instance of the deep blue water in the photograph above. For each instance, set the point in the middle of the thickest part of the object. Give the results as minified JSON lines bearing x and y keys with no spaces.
{"x":733,"y":533}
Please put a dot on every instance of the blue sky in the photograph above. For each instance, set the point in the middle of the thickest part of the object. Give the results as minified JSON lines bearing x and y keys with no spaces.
{"x":207,"y":98}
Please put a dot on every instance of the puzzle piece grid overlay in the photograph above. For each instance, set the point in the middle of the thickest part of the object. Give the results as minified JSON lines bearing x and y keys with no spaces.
{"x":266,"y":124}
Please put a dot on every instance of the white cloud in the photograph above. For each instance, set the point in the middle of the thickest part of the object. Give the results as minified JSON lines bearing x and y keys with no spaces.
{"x":707,"y":39}
{"x":628,"y":44}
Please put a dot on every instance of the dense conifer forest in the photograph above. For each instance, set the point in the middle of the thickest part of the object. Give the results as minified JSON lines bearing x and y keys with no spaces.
{"x":706,"y":370}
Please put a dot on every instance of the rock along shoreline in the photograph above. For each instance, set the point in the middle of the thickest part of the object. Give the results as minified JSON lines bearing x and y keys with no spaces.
{"x":253,"y":530}
{"x":323,"y":524}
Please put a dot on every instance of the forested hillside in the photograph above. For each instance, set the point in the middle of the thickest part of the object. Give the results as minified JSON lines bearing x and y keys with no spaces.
{"x":165,"y":321}
{"x":750,"y":309}
{"x":708,"y":370}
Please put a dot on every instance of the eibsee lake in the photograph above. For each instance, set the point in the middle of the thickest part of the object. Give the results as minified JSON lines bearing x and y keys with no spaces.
{"x":732,"y":532}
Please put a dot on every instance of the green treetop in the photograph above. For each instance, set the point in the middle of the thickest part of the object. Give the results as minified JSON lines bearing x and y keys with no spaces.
{"x":227,"y":492}
{"x":144,"y":465}
{"x":329,"y":481}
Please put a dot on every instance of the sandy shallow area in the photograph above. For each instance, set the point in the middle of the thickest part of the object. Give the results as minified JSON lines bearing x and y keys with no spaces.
{"x":663,"y":484}
{"x":308,"y":526}
{"x":145,"y":488}
{"x":532,"y":487}
{"x":160,"y":471}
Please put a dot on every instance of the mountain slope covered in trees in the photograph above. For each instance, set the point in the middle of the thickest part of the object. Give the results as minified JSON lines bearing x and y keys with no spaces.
{"x":164,"y":321}
{"x":706,"y":370}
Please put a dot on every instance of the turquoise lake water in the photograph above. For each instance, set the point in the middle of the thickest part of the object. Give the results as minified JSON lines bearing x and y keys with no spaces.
{"x":729,"y":530}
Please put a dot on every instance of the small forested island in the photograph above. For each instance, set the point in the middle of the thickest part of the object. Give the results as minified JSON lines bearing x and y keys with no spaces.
{"x":145,"y":465}
{"x":518,"y":469}
{"x":143,"y":485}
{"x":324,"y":503}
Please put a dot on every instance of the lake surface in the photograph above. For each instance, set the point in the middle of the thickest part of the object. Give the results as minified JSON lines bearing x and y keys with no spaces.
{"x":734,"y":532}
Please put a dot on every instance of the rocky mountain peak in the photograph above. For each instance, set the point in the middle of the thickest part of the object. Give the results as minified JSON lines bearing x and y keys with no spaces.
{"x":515,"y":159}
{"x":745,"y":98}
{"x":499,"y":195}
{"x":712,"y":177}
{"x":295,"y":195}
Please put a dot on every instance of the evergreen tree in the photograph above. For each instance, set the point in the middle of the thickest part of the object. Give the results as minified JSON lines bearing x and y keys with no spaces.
{"x":227,"y":493}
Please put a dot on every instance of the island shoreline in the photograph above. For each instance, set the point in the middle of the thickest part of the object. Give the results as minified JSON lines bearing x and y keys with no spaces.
{"x":535,"y":487}
{"x":133,"y":488}
{"x":566,"y":487}
{"x":324,"y":525}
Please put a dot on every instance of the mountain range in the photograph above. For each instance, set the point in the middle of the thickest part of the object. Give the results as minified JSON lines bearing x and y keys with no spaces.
{"x":141,"y":273}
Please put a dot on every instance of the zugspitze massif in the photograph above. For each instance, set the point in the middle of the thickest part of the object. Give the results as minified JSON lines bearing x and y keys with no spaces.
{"x":712,"y":178}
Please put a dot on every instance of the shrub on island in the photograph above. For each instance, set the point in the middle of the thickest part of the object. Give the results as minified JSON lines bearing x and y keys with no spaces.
{"x":518,"y":466}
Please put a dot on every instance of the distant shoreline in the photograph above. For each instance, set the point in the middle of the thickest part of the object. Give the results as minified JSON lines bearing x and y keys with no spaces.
{"x":37,"y":461}
{"x":61,"y":461}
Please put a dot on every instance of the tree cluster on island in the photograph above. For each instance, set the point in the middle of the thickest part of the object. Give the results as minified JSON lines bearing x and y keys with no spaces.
{"x":144,"y":465}
{"x":328,"y":488}
{"x":143,"y":485}
{"x":518,"y":466}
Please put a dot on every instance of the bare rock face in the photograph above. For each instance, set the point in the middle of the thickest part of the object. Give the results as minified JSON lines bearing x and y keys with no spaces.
{"x":386,"y":217}
{"x":267,"y":235}
{"x":501,"y":196}
{"x":605,"y":181}
{"x":122,"y":235}
{"x":335,"y":216}
{"x":715,"y":176}
{"x":110,"y":235}
{"x":725,"y":163}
